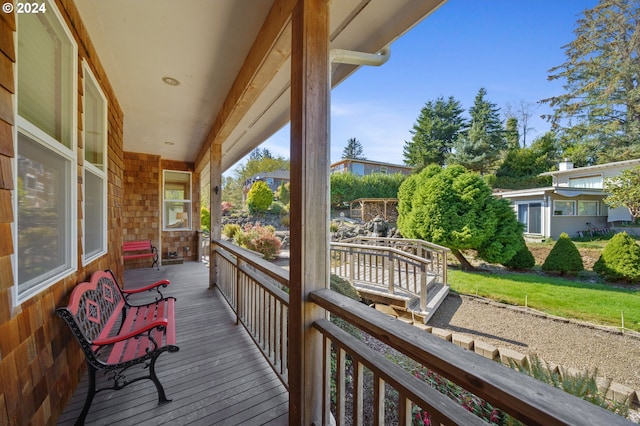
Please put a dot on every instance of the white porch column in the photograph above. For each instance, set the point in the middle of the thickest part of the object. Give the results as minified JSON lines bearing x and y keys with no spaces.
{"x":215,"y":180}
{"x":309,"y":262}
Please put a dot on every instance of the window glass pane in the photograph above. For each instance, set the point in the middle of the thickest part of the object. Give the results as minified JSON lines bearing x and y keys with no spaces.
{"x":587,"y":208}
{"x":563,"y":208}
{"x":177,"y":215}
{"x":586,"y":182}
{"x":357,"y":169}
{"x":45,"y":75}
{"x":94,"y":220}
{"x":94,"y":123}
{"x":177,"y":185}
{"x":44,"y":246}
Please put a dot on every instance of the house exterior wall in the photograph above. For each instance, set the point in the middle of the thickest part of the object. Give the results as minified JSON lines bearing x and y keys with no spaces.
{"x":40,"y":365}
{"x":364,"y":167}
{"x":141,"y":183}
{"x":185,"y":243}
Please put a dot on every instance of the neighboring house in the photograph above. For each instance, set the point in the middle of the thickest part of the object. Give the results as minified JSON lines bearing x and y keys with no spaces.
{"x":574,"y":202}
{"x":366,"y":167}
{"x":273,"y":179}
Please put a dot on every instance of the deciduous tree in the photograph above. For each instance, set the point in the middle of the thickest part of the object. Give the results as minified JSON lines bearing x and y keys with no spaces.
{"x":624,"y":191}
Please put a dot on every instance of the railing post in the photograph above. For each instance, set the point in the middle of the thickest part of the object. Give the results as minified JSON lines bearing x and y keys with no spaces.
{"x":238,"y":298}
{"x":423,"y":288}
{"x":352,"y":266}
{"x":389,"y":267}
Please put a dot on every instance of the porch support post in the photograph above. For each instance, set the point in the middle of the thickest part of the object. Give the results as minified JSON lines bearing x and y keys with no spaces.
{"x":309,"y":265}
{"x":215,"y":161}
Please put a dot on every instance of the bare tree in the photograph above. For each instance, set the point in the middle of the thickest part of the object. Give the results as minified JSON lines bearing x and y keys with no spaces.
{"x":522,"y":111}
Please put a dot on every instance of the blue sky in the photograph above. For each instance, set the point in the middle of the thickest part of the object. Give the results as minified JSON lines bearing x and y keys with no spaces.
{"x":506,"y":46}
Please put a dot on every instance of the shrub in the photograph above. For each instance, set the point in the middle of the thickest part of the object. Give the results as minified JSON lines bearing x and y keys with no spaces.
{"x":584,"y":385}
{"x":563,"y":257}
{"x":333,"y":226}
{"x":205,"y":219}
{"x":285,"y":220}
{"x":261,"y":239}
{"x":231,"y":229}
{"x":226,"y":207}
{"x":523,"y":259}
{"x":259,"y":197}
{"x":283,"y":193}
{"x":277,"y":208}
{"x":620,"y":259}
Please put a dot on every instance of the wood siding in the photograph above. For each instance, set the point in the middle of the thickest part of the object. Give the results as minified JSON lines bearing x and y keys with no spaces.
{"x":39,"y":364}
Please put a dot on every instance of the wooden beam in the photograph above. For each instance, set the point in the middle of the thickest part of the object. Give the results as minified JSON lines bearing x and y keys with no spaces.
{"x":309,"y":262}
{"x":268,"y":53}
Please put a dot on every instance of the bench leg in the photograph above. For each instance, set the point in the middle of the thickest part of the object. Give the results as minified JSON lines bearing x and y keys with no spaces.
{"x":162,"y":397}
{"x":90,"y":394}
{"x":155,"y":262}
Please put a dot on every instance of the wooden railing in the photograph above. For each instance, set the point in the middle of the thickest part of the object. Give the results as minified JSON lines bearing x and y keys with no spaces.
{"x":253,"y":288}
{"x":390,"y":264}
{"x":523,"y":397}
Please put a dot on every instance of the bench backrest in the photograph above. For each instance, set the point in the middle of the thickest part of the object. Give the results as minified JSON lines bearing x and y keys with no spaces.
{"x":136,"y":245}
{"x":93,"y":306}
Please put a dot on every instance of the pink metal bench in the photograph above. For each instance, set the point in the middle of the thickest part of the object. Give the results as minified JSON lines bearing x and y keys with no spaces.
{"x":116,"y":335}
{"x":140,"y":249}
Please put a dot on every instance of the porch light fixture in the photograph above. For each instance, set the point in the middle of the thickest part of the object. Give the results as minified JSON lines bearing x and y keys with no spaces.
{"x":170,"y":81}
{"x":169,"y":143}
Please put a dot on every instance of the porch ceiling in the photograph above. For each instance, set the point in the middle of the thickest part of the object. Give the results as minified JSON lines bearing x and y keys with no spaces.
{"x":204,"y":44}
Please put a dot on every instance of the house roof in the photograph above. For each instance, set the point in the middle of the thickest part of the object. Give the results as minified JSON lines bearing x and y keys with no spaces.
{"x":231,"y":59}
{"x":373,"y":163}
{"x":597,"y":167}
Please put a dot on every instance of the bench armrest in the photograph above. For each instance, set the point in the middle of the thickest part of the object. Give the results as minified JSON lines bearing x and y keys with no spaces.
{"x":162,"y":322}
{"x":154,"y":286}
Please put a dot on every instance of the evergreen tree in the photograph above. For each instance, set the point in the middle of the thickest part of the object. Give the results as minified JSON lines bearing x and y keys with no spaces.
{"x":620,"y":259}
{"x":511,"y":133}
{"x":434,"y":133}
{"x":563,"y":257}
{"x":482,"y":145}
{"x":600,"y":111}
{"x":353,"y":150}
{"x":455,"y":208}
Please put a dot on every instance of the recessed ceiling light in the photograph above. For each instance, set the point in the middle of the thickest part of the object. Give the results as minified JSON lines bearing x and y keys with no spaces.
{"x":170,"y":81}
{"x":169,"y":143}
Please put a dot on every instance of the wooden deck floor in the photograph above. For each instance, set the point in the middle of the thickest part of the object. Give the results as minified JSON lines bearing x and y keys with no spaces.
{"x":218,"y":377}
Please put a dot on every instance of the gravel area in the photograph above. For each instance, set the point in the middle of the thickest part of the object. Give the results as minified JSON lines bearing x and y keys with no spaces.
{"x":569,"y":344}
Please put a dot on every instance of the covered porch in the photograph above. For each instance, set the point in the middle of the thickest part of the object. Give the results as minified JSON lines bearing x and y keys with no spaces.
{"x":217,"y":376}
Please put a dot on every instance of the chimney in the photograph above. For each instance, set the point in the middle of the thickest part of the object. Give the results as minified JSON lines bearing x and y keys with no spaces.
{"x":565,"y":164}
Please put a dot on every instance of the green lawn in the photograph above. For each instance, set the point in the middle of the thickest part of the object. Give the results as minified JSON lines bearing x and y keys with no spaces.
{"x":595,"y":303}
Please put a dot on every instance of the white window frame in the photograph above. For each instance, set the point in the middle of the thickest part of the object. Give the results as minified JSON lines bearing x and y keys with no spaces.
{"x":26,"y":128}
{"x":97,"y":172}
{"x":596,"y":202}
{"x":188,"y":202}
{"x":572,"y":202}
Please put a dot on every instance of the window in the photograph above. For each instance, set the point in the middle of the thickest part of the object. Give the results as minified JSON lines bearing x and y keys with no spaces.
{"x":94,"y":204}
{"x":383,"y":169}
{"x":357,"y":169}
{"x":587,"y":208}
{"x":563,"y":208}
{"x":46,"y":152}
{"x":586,"y":182}
{"x":530,"y":215}
{"x":177,"y":200}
